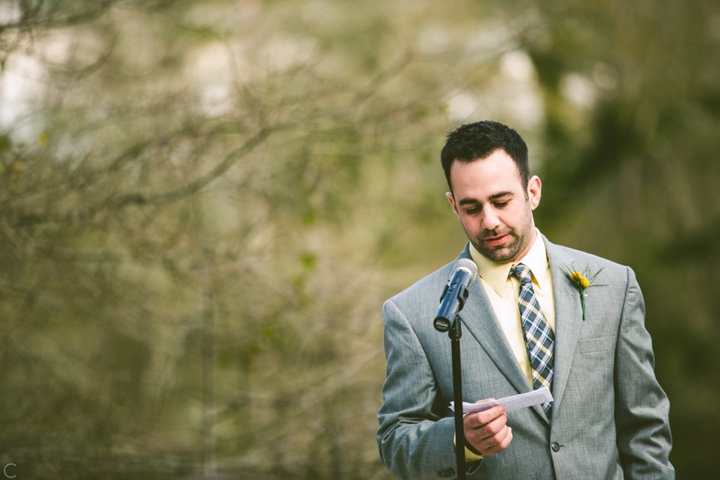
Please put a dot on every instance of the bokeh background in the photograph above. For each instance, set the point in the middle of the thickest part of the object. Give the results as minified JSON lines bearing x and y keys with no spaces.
{"x":203,"y":205}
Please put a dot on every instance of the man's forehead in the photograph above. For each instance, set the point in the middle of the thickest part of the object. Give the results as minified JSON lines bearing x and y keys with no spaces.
{"x":497,"y":169}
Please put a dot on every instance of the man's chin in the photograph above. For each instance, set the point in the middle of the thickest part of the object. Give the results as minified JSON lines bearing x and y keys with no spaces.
{"x":504,"y":254}
{"x":502,"y":257}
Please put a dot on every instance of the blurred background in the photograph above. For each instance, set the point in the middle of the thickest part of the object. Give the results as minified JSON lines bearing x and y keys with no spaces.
{"x":203,"y":205}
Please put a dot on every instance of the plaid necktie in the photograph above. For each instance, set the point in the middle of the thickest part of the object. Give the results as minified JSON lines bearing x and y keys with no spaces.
{"x":539,"y":337}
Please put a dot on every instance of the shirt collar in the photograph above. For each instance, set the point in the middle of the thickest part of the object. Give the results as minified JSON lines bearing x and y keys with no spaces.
{"x":496,"y":274}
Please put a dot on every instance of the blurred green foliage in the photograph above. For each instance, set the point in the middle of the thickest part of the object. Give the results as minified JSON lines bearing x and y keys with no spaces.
{"x":204,"y":204}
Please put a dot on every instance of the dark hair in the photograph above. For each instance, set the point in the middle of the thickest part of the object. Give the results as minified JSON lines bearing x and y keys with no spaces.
{"x":475,"y":141}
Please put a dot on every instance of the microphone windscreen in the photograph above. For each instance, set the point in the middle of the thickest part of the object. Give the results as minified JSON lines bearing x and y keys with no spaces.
{"x":468,"y":265}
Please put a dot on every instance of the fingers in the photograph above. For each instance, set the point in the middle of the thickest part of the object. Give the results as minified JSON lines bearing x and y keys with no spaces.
{"x":475,"y":420}
{"x":489,"y":447}
{"x":487,"y":431}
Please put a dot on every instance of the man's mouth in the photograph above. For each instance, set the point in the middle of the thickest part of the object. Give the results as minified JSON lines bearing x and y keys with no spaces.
{"x":496,"y":240}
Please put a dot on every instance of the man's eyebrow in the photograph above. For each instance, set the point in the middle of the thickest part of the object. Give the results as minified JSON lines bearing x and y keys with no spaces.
{"x":500,"y":195}
{"x":495,"y":196}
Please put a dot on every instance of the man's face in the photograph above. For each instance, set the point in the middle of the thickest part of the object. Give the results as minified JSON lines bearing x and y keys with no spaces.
{"x":491,"y":203}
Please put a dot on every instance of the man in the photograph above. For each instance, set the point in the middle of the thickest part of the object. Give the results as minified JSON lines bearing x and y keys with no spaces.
{"x":539,"y":314}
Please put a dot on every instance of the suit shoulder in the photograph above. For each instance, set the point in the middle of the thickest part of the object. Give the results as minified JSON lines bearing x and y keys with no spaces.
{"x":601,"y":270}
{"x":580,"y":259}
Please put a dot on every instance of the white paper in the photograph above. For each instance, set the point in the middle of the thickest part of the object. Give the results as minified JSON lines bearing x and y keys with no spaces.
{"x":515,"y":402}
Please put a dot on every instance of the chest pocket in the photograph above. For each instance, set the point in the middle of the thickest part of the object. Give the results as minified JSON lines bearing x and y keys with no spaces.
{"x":599,"y":344}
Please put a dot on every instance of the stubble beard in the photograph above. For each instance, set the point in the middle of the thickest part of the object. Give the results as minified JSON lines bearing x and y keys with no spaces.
{"x":506,"y":253}
{"x":510,"y":252}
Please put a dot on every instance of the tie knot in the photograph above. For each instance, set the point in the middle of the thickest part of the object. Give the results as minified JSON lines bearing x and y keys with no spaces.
{"x":522,"y":272}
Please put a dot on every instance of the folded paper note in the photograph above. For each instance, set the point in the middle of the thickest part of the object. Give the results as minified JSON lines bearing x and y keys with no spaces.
{"x":515,"y":402}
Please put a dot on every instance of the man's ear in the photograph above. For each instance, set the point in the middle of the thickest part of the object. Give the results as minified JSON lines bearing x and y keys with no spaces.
{"x":534,"y":191}
{"x":451,"y":199}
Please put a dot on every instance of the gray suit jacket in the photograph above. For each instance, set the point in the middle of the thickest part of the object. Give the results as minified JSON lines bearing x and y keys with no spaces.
{"x":610,"y":414}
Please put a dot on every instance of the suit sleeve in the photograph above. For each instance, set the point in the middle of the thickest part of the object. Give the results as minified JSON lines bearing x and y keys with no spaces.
{"x":641,"y":406}
{"x":414,"y":438}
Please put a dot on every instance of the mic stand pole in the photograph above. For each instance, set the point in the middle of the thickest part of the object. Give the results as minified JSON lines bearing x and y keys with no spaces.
{"x":455,"y":333}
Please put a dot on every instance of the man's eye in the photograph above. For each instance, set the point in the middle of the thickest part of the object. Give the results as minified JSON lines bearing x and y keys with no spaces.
{"x":472,"y":211}
{"x":502,"y":204}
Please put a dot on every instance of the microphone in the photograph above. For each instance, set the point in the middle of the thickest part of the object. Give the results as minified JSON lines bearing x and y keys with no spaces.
{"x":464,"y":272}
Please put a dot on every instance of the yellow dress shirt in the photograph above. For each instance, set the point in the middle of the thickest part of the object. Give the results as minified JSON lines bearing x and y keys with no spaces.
{"x":503,"y":289}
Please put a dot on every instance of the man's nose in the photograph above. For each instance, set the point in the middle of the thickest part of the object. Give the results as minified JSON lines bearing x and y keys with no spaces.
{"x":490,"y":220}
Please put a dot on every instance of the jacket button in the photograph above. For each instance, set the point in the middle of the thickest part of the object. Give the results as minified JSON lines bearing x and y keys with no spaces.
{"x":555,"y":447}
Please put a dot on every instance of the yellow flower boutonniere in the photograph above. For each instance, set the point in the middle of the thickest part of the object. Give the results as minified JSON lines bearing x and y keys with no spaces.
{"x":581,"y":282}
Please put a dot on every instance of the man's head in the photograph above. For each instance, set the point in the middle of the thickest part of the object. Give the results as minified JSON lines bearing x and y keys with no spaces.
{"x":478,"y":140}
{"x":492,"y":192}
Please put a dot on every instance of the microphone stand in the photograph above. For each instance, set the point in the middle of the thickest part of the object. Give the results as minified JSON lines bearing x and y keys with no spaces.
{"x":455,"y":332}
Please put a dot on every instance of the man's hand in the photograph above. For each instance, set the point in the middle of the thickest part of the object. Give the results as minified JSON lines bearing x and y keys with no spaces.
{"x":487,"y":431}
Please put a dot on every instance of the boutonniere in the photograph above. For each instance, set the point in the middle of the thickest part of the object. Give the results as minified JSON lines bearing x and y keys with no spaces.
{"x":581,"y":281}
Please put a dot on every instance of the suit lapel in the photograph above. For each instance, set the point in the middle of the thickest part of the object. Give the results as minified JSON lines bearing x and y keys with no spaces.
{"x":568,"y":320}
